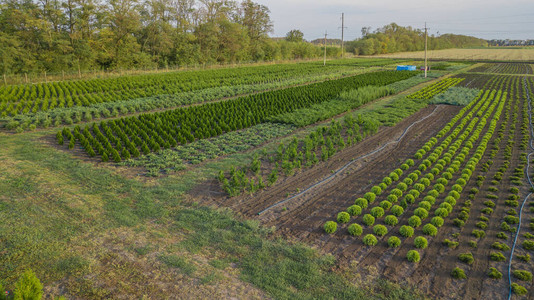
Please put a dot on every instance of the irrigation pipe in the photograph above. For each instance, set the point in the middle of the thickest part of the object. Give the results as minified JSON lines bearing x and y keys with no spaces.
{"x":531,"y":185}
{"x":347,"y":165}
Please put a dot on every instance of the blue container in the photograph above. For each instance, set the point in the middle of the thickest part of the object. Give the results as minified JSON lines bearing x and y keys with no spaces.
{"x":406,"y":68}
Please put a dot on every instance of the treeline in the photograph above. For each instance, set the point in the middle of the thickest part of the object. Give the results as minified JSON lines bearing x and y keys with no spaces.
{"x":394,"y":38}
{"x":62,"y":35}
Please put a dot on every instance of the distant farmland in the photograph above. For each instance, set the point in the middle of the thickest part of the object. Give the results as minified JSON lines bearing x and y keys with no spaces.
{"x":524,"y":54}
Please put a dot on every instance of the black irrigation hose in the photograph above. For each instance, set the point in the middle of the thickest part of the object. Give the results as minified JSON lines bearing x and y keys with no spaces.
{"x":529,"y":180}
{"x":348,"y":164}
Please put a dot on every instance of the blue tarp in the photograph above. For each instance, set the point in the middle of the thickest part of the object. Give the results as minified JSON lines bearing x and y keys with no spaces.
{"x":406,"y":68}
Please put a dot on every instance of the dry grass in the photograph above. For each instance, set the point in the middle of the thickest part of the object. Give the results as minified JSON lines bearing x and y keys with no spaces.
{"x":524,"y":54}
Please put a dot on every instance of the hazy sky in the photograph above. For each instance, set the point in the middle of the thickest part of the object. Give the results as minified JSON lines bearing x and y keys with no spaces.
{"x":488,"y":19}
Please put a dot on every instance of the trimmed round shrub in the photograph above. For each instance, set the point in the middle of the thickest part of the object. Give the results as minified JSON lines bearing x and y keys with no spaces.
{"x":370,"y":197}
{"x":425,"y":182}
{"x":425,"y":204}
{"x":439,"y":187}
{"x":407,"y":181}
{"x":377,"y":212}
{"x":455,"y":195}
{"x":419,"y":187}
{"x":441,"y":212}
{"x":380,"y":230}
{"x":402,"y":186}
{"x":433,"y":193}
{"x":457,"y":188}
{"x":430,"y":199}
{"x":466,"y":258}
{"x":391,"y":220}
{"x":450,"y":200}
{"x":394,"y":176}
{"x":383,"y":186}
{"x":406,"y":231}
{"x":398,"y":171}
{"x":387,"y":180}
{"x":330,"y":227}
{"x":413,"y":256}
{"x":447,"y":206}
{"x":361,"y":202}
{"x":409,"y":198}
{"x":420,"y":242}
{"x":404,"y":167}
{"x":355,"y":229}
{"x":370,"y":240}
{"x":421,"y":213}
{"x":447,"y":175}
{"x":430,"y":229}
{"x":397,"y":210}
{"x":394,"y":242}
{"x":343,"y":217}
{"x":461,"y":181}
{"x":396,"y":192}
{"x":376,"y":190}
{"x":414,"y":221}
{"x":385,"y":204}
{"x":354,"y":210}
{"x":458,"y":273}
{"x":368,"y":219}
{"x":392,"y":198}
{"x":437,"y":221}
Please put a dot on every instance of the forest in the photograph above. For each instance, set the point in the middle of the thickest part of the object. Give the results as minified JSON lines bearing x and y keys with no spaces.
{"x":56,"y":35}
{"x":394,"y":38}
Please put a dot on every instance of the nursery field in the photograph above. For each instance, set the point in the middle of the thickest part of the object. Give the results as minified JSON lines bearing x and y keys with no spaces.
{"x":350,"y":181}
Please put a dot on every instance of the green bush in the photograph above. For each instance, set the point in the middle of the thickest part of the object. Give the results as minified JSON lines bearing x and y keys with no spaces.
{"x":500,"y":246}
{"x":437,"y":221}
{"x":377,"y":212}
{"x":421,"y":213}
{"x":368,"y":219}
{"x":385,"y":204}
{"x":441,"y":212}
{"x":413,"y":256}
{"x":478,"y":233}
{"x":361,"y":202}
{"x":376,"y":190}
{"x":354,"y":210}
{"x":380,"y":230}
{"x":450,"y":243}
{"x":458,"y":223}
{"x":330,"y":227}
{"x":494,"y":273}
{"x":497,"y":256}
{"x":394,"y":242}
{"x":355,"y":229}
{"x":430,"y":229}
{"x":528,"y":245}
{"x":519,"y":290}
{"x":466,"y":258}
{"x":370,"y":197}
{"x":370,"y":240}
{"x":522,"y":275}
{"x":391,"y":220}
{"x":343,"y":217}
{"x":525,"y":258}
{"x":420,"y":242}
{"x":458,"y":273}
{"x":414,"y":221}
{"x":392,"y":198}
{"x":406,"y":231}
{"x":425,"y":204}
{"x":28,"y":287}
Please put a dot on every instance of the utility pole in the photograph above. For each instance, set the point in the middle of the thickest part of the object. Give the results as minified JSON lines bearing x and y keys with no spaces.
{"x":426,"y":39}
{"x":342,"y":33}
{"x":324,"y":63}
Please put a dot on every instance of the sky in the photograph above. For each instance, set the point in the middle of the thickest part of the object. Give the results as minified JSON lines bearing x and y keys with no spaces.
{"x":487,"y":19}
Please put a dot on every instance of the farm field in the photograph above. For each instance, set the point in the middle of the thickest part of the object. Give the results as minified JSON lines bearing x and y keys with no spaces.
{"x":498,"y":54}
{"x":351,"y":181}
